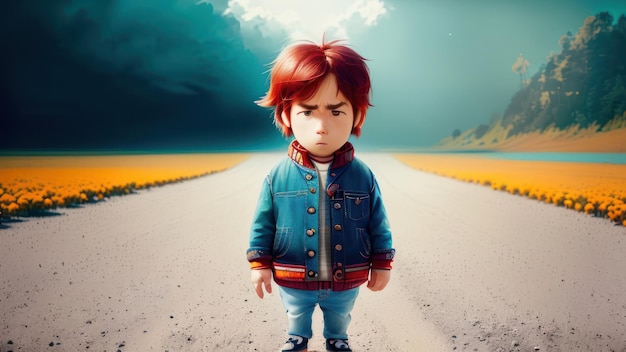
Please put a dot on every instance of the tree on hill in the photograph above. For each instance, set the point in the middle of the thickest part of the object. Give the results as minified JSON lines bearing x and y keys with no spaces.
{"x":520,"y":66}
{"x":480,"y":131}
{"x":584,"y":84}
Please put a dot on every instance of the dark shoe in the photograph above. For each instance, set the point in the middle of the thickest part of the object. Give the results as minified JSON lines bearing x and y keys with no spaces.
{"x":334,"y":345}
{"x":296,"y":344}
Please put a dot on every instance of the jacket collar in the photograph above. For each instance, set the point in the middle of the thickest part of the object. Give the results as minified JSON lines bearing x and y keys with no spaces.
{"x":342,"y":156}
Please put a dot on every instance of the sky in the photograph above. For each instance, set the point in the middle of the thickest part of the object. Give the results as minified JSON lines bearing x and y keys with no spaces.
{"x":184,"y":74}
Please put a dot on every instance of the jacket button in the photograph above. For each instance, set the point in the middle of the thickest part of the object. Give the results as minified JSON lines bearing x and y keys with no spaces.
{"x":308,"y":177}
{"x":337,"y":227}
{"x":310,"y":232}
{"x":339,"y":265}
{"x":338,"y":247}
{"x":312,"y":273}
{"x":311,"y":210}
{"x":338,"y":275}
{"x":311,"y":254}
{"x":312,"y":190}
{"x":337,"y":206}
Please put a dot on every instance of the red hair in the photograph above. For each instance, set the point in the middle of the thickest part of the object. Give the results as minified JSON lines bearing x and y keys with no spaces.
{"x":299,"y":70}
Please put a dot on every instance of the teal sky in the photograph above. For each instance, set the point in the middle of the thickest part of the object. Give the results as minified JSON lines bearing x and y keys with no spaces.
{"x":441,"y":65}
{"x":184,"y":74}
{"x":450,"y":65}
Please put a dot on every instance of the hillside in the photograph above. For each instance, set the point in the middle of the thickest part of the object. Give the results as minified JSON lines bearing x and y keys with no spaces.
{"x":576,"y":102}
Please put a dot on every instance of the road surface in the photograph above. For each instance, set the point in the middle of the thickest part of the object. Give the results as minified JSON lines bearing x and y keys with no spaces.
{"x":165,"y":270}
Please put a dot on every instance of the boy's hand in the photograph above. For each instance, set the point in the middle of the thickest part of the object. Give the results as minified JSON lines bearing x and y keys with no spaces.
{"x":260,"y":278}
{"x":379,"y":278}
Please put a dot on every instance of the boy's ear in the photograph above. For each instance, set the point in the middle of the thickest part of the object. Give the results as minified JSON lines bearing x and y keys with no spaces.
{"x":357,"y":119}
{"x":285,"y":119}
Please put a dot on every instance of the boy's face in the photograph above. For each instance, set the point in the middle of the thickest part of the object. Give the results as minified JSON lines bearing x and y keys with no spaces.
{"x":323,"y":123}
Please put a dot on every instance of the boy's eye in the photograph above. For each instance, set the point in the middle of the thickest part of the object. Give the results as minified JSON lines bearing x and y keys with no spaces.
{"x":337,"y":112}
{"x":305,"y":112}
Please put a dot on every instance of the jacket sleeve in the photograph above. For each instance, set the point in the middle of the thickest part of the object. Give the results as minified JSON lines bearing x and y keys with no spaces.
{"x":263,"y":229}
{"x":380,"y":232}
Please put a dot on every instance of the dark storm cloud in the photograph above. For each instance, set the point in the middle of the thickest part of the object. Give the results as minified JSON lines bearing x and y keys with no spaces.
{"x":104,"y":74}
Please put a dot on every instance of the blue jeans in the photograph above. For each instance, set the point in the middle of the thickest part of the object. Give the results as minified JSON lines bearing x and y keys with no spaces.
{"x":336,"y":307}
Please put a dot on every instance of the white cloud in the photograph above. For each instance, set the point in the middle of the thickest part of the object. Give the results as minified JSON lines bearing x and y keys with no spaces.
{"x":368,"y":10}
{"x":306,"y":19}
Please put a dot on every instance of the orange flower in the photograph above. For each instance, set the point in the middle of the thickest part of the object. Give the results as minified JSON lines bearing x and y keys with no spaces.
{"x":23,"y":200}
{"x":13,"y":207}
{"x":590,"y":187}
{"x":63,"y":181}
{"x":7,"y":199}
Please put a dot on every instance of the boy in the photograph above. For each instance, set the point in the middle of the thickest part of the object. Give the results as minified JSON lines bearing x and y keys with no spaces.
{"x":320,"y":227}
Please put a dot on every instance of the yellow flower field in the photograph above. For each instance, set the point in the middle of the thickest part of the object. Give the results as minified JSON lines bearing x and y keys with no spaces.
{"x":32,"y":185}
{"x":593,"y":188}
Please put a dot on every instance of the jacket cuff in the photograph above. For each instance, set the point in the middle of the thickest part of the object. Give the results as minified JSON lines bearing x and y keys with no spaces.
{"x":260,"y":265}
{"x":259,"y":259}
{"x":382,"y":259}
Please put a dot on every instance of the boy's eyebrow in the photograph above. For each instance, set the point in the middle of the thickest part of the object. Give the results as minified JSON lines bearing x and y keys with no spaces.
{"x":328,"y":106}
{"x":335,"y":106}
{"x":308,"y":107}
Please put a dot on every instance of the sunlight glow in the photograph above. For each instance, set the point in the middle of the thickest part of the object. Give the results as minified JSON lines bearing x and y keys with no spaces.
{"x":303,"y":19}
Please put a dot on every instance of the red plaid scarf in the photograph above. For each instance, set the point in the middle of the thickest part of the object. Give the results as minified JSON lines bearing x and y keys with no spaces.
{"x":342,"y":156}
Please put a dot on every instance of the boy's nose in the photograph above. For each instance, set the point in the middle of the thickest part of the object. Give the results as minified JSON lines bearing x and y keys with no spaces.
{"x":321,"y":127}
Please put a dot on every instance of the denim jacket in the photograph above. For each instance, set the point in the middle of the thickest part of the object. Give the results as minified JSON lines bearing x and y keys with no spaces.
{"x":285,"y":224}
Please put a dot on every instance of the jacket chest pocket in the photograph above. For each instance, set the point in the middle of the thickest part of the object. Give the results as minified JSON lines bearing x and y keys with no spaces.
{"x":357,"y":205}
{"x":289,"y":205}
